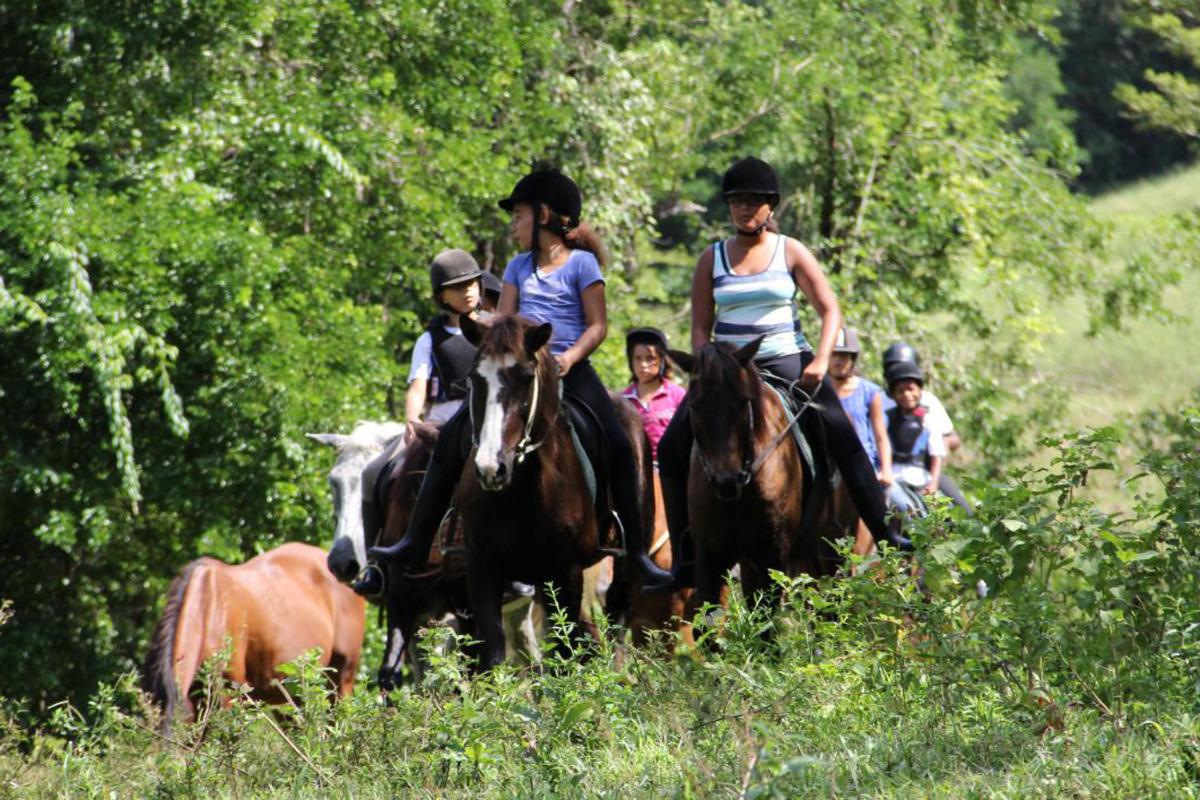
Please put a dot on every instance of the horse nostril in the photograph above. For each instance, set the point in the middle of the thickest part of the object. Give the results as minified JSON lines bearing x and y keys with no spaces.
{"x":501,"y":470}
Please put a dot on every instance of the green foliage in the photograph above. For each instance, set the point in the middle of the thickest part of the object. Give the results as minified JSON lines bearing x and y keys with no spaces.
{"x":1172,"y":102}
{"x":1104,"y":46}
{"x":216,"y":218}
{"x":1074,"y":676}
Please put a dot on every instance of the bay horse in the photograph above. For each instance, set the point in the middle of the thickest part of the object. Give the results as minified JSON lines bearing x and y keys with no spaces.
{"x":746,"y":483}
{"x":524,"y":499}
{"x":268,"y":610}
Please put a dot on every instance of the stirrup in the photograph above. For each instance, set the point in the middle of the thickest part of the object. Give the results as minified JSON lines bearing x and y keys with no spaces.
{"x":622,"y":549}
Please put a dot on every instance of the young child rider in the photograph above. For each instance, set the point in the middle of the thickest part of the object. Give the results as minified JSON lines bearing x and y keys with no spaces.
{"x":653,"y":393}
{"x":913,"y":444}
{"x":441,"y":361}
{"x":556,"y":279}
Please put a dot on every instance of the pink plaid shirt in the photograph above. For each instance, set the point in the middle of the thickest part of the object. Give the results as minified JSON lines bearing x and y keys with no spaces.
{"x":656,"y":414}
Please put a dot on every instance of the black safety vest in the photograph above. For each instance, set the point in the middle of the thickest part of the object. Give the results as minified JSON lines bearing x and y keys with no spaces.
{"x":453,"y":357}
{"x":909,"y":438}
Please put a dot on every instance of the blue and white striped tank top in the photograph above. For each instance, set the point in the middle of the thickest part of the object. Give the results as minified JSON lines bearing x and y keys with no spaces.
{"x":752,"y":305}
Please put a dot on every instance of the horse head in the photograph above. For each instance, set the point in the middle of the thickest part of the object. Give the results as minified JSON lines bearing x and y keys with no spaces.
{"x":514,"y":395}
{"x":725,"y":412}
{"x":354,"y":451}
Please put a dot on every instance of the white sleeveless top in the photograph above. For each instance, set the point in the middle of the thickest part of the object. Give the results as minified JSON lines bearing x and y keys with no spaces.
{"x":749,"y":306}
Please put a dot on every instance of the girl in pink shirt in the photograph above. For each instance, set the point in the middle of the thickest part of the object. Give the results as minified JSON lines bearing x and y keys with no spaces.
{"x":652,"y":392}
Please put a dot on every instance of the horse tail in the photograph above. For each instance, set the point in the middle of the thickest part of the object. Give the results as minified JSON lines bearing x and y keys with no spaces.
{"x":158,"y":670}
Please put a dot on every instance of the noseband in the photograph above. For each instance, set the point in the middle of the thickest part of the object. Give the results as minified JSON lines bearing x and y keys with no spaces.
{"x":750,"y":464}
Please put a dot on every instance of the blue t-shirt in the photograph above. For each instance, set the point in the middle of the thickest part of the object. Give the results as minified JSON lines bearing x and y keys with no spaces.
{"x":556,"y":297}
{"x":858,"y":409}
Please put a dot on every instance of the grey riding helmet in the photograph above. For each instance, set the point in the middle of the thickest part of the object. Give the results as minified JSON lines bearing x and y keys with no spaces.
{"x":847,"y":342}
{"x":452,"y":267}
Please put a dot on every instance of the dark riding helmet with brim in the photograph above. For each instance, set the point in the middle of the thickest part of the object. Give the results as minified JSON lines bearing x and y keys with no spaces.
{"x":901,"y":371}
{"x":492,"y":285}
{"x":900,"y":351}
{"x":552,"y":189}
{"x":451,"y":268}
{"x":751,"y":176}
{"x":847,"y":342}
{"x":651,"y":336}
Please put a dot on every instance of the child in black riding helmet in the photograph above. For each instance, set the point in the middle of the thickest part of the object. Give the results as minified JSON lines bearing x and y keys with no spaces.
{"x":441,"y":362}
{"x":556,"y":279}
{"x":913,"y":443}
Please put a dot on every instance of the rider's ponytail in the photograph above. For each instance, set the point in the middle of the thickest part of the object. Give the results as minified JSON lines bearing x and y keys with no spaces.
{"x":582,"y":237}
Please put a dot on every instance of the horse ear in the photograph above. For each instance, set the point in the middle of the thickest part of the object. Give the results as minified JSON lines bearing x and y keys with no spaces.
{"x":536,"y":337}
{"x":745,"y":354}
{"x":471,"y":329}
{"x":331,"y":439}
{"x":686,"y":361}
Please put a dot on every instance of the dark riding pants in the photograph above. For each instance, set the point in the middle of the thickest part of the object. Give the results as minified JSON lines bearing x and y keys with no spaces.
{"x":828,"y":431}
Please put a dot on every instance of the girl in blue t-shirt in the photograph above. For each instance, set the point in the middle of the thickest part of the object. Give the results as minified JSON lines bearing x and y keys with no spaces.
{"x":556,"y":279}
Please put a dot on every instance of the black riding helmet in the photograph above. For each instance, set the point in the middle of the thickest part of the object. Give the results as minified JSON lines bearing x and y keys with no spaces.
{"x":452,"y":267}
{"x":903,"y":370}
{"x":552,"y":189}
{"x":900,"y":351}
{"x":492,"y":285}
{"x":650,"y":336}
{"x":847,"y":342}
{"x":751,"y":175}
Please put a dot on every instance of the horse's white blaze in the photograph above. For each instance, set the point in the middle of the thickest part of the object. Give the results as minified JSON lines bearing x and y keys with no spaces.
{"x":354,"y":452}
{"x":491,"y":432}
{"x":347,"y":505}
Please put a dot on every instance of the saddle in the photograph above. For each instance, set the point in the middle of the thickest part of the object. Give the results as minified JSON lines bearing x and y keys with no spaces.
{"x":591,"y":447}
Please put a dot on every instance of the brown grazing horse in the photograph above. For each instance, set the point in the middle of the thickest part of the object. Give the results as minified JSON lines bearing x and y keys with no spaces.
{"x":524,"y":501}
{"x":746,"y":483}
{"x":269,"y":610}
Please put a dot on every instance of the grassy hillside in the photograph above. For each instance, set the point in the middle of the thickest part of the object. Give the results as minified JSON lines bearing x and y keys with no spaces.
{"x":1150,"y":364}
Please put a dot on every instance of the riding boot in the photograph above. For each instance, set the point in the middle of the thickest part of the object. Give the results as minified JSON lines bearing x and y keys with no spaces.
{"x":437,"y":490}
{"x":370,"y":582}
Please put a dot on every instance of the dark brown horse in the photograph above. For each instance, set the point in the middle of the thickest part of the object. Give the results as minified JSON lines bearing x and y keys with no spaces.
{"x":269,"y":610}
{"x":746,"y":486}
{"x":524,"y":500}
{"x":439,"y":596}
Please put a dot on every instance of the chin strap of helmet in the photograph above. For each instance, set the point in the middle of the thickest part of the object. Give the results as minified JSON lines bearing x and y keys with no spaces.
{"x":537,"y":230}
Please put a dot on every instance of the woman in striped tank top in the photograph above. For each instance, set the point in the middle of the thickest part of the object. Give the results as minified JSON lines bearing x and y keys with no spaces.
{"x":744,"y":288}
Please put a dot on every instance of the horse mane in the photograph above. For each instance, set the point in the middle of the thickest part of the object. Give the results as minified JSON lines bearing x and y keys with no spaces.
{"x":158,"y":673}
{"x":716,"y":366}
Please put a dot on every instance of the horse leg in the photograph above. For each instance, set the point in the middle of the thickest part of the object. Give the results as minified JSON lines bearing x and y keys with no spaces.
{"x":710,"y":574}
{"x":391,"y":670}
{"x":485,"y":588}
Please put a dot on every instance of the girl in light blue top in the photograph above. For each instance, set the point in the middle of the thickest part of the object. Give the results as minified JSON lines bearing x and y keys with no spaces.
{"x":555,"y":279}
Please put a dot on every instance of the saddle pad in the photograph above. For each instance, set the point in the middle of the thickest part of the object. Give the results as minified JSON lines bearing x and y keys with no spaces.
{"x":791,"y":409}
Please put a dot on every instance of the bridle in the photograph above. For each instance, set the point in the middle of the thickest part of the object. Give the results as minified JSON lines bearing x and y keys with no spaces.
{"x":750,"y":464}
